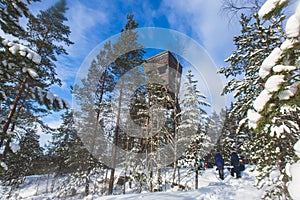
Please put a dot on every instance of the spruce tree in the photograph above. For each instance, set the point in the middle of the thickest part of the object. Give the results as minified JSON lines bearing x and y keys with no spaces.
{"x":194,"y":120}
{"x":257,"y":40}
{"x":21,"y":156}
{"x":73,"y":160}
{"x":275,"y":111}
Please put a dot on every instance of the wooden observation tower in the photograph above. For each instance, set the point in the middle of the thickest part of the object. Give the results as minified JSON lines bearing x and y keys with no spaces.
{"x":164,"y":69}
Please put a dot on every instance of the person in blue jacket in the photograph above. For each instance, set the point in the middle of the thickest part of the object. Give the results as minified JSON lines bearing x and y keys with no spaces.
{"x":220,"y":164}
{"x":235,"y":162}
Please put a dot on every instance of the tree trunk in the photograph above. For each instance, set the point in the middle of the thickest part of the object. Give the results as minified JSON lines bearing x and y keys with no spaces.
{"x":151,"y":182}
{"x":178,"y":178}
{"x":174,"y":172}
{"x":125,"y":168}
{"x":12,"y":111}
{"x":111,"y":181}
{"x":87,"y":186}
{"x":196,"y":178}
{"x":16,"y":100}
{"x":115,"y":141}
{"x":104,"y":182}
{"x":159,"y":178}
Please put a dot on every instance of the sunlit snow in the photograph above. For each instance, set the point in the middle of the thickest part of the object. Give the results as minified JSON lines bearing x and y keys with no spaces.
{"x":24,"y":51}
{"x":261,"y":100}
{"x":292,"y":26}
{"x":274,"y":82}
{"x":269,"y":6}
{"x":269,"y":62}
{"x":210,"y":188}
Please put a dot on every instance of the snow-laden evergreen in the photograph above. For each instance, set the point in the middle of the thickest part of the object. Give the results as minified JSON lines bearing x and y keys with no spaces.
{"x":27,"y":71}
{"x":276,"y":111}
{"x":24,"y":51}
{"x":194,"y":120}
{"x":268,"y":92}
{"x":294,"y":172}
{"x":73,"y":161}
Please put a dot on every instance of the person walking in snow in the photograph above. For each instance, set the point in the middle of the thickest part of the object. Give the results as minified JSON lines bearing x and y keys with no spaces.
{"x":235,"y":162}
{"x":220,"y":164}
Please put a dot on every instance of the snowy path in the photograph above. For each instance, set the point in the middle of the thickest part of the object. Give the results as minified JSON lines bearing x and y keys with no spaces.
{"x":210,"y":188}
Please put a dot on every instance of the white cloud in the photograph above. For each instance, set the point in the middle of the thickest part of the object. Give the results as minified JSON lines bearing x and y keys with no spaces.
{"x":84,"y":23}
{"x":204,"y":21}
{"x":82,"y":19}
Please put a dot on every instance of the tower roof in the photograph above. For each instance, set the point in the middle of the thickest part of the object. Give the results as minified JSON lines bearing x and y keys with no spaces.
{"x":166,"y":58}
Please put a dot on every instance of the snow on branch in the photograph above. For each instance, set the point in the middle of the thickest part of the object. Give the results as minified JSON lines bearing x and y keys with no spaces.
{"x":262,"y":99}
{"x":32,"y":73}
{"x":49,"y":99}
{"x":270,"y":62}
{"x":24,"y":51}
{"x":274,"y":82}
{"x":14,"y":147}
{"x":289,"y":92}
{"x":2,"y":95}
{"x":253,"y":118}
{"x":294,"y":169}
{"x":281,"y":68}
{"x":269,"y":6}
{"x":292,"y":26}
{"x":3,"y":165}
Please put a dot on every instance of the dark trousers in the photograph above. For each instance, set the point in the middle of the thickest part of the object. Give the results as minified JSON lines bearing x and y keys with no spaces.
{"x":221,"y":172}
{"x":237,"y":171}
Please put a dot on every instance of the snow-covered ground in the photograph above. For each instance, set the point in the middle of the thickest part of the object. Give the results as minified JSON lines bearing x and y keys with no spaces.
{"x":210,"y":188}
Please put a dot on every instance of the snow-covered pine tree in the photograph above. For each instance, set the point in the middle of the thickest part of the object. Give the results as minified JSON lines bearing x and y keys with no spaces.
{"x":22,"y":155}
{"x":11,"y":12}
{"x":215,"y":128}
{"x":275,"y":113}
{"x":222,"y":131}
{"x":28,"y":75}
{"x":257,"y":40}
{"x":229,"y":139}
{"x":254,"y":43}
{"x":134,"y":164}
{"x":93,"y":95}
{"x":73,"y":161}
{"x":61,"y":146}
{"x":157,"y":95}
{"x":194,"y":120}
{"x":124,"y":62}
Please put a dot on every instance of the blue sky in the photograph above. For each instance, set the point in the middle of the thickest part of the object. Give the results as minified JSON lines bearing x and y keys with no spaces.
{"x":93,"y":21}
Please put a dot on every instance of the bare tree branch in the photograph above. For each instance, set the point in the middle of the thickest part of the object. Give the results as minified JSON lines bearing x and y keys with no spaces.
{"x":233,"y":8}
